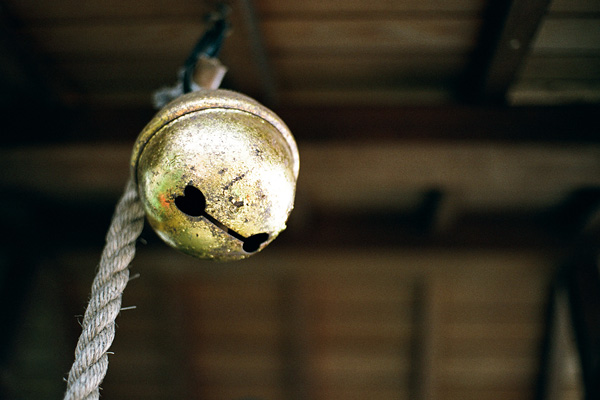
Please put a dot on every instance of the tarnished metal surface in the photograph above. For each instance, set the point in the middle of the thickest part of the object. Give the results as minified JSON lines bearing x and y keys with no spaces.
{"x":216,"y":172}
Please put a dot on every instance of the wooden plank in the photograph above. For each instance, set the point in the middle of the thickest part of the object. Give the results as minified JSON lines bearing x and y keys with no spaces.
{"x":233,"y":333}
{"x":462,"y":331}
{"x":127,"y":40}
{"x":298,"y":347}
{"x":496,"y":177}
{"x":427,"y":339}
{"x":356,"y":369}
{"x":374,"y":293}
{"x":359,"y":312}
{"x":245,"y":55}
{"x":67,"y":11}
{"x":167,"y":39}
{"x":555,"y":92}
{"x":114,"y":77}
{"x":151,"y":42}
{"x":496,"y":347}
{"x":220,"y":366}
{"x":375,"y":71}
{"x":245,"y":326}
{"x":231,"y":293}
{"x":432,"y":123}
{"x":359,"y":263}
{"x":582,"y":282}
{"x":139,"y":363}
{"x":368,"y":97}
{"x":494,"y":312}
{"x":61,"y":10}
{"x":365,"y":330}
{"x":568,"y":36}
{"x":316,"y":7}
{"x":368,"y":36}
{"x":122,"y":98}
{"x":479,"y":372}
{"x":494,"y":392}
{"x":109,"y":69}
{"x":353,"y":393}
{"x":490,"y":176}
{"x":570,"y":6}
{"x":557,"y":343}
{"x":494,"y":289}
{"x":238,"y":391}
{"x":490,"y":330}
{"x":346,"y":318}
{"x":368,"y":369}
{"x":561,"y":67}
{"x":220,"y":312}
{"x":146,"y":389}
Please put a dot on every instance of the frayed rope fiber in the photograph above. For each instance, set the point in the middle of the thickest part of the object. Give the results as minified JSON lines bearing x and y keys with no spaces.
{"x":98,"y":327}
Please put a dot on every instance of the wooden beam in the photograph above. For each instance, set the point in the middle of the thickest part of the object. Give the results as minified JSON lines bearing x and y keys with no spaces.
{"x":516,"y":124}
{"x":583,"y":285}
{"x":368,"y":36}
{"x":245,"y":55}
{"x":557,"y":347}
{"x":346,"y":174}
{"x":505,"y":42}
{"x":524,"y":124}
{"x":357,"y":194}
{"x":357,"y":7}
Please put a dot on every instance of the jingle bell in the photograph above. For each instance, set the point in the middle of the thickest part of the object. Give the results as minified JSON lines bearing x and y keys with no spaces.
{"x":216,"y":173}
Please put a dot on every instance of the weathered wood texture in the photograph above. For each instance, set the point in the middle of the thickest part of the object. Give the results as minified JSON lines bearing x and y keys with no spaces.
{"x":335,"y":175}
{"x":375,"y":40}
{"x":564,"y":63}
{"x":315,"y":52}
{"x":351,"y":52}
{"x":204,"y":331}
{"x":504,"y":43}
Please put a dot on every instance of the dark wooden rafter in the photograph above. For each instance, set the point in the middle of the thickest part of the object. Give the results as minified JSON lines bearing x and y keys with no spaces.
{"x":259,"y":51}
{"x":516,"y":124}
{"x":469,"y":201}
{"x":574,"y":304}
{"x":504,"y":43}
{"x":583,"y":285}
{"x":244,"y":53}
{"x":558,"y":336}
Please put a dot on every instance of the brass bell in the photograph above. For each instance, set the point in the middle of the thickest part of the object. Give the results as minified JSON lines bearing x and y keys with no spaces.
{"x":216,"y":173}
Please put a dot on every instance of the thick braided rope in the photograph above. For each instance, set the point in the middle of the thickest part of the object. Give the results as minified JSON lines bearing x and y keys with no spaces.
{"x":98,"y":327}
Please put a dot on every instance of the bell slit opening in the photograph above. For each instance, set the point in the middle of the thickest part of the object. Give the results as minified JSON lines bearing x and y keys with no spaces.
{"x":192,"y":203}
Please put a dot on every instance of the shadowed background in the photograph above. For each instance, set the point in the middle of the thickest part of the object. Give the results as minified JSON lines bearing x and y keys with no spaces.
{"x":444,"y":240}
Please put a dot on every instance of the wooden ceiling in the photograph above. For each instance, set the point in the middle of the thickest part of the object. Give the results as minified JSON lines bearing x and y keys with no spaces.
{"x":390,"y":101}
{"x":450,"y":154}
{"x":325,"y":53}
